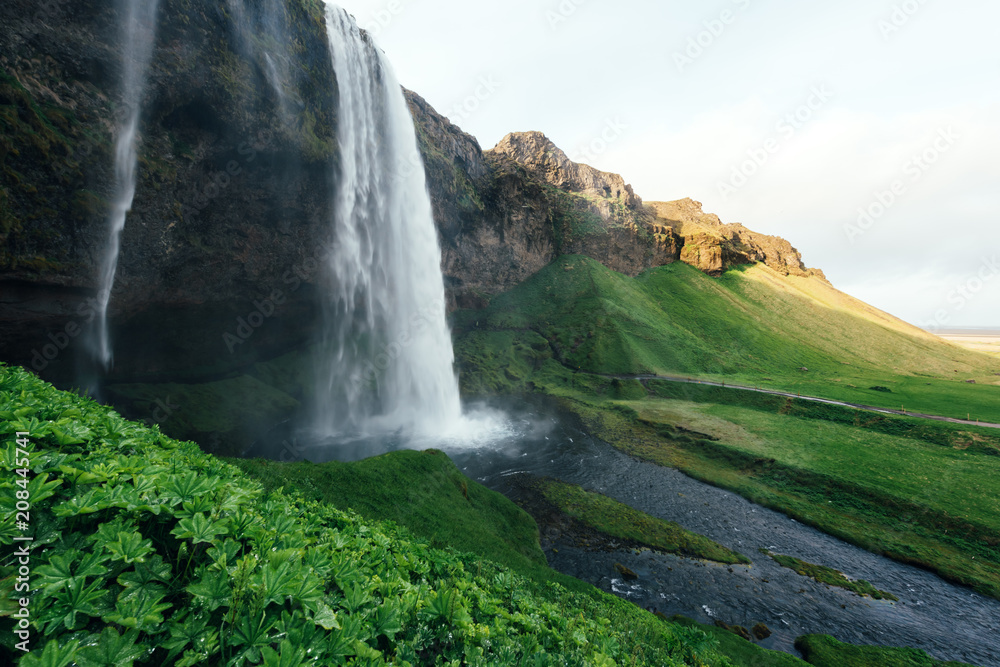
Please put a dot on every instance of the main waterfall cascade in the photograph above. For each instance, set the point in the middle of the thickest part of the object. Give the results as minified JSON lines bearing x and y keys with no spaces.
{"x":386,"y":360}
{"x":139,"y":32}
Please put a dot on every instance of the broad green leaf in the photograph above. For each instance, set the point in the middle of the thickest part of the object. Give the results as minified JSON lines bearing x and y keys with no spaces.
{"x":191,"y":631}
{"x":92,"y":501}
{"x":252,"y":632}
{"x":224,"y":554}
{"x":141,"y":610}
{"x":52,"y":655}
{"x":39,"y":489}
{"x":199,"y":528}
{"x":289,"y":656}
{"x":57,"y":573}
{"x":60,"y":569}
{"x":192,"y":507}
{"x":325,"y":617}
{"x":355,"y":597}
{"x":277,"y":582}
{"x":152,"y":570}
{"x":307,"y":590}
{"x":386,"y":621}
{"x":241,"y":523}
{"x":78,"y":598}
{"x":112,"y":650}
{"x":70,"y":432}
{"x":77,"y":476}
{"x":143,"y":483}
{"x":179,"y":488}
{"x":213,"y":589}
{"x":130,"y":547}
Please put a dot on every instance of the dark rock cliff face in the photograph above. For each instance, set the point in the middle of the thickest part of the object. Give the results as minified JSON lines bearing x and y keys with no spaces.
{"x":236,"y":151}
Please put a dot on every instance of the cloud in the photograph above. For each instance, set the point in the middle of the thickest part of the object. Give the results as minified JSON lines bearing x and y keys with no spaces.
{"x":688,"y":130}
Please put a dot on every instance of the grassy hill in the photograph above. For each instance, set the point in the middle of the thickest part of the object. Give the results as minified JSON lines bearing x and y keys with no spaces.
{"x":863,"y":476}
{"x":751,"y":326}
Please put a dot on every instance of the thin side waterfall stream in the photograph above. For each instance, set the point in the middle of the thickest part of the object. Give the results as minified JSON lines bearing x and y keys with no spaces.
{"x":138,"y":37}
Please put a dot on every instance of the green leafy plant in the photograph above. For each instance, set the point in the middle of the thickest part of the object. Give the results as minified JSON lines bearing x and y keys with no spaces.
{"x":149,"y":551}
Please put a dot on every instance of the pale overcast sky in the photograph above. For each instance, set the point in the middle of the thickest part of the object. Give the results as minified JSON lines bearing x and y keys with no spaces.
{"x":786,"y":115}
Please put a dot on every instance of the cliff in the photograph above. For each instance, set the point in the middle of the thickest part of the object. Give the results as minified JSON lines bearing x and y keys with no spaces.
{"x":235,"y":150}
{"x":237,"y":158}
{"x":713,"y":246}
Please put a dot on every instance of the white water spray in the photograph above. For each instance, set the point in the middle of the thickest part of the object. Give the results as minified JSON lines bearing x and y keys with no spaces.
{"x":139,"y":32}
{"x":386,"y":360}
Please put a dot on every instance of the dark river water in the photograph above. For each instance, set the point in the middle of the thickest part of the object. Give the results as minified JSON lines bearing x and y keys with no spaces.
{"x":949,"y":622}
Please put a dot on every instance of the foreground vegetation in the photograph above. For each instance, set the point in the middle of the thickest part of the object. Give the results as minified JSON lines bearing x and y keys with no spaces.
{"x":149,"y":551}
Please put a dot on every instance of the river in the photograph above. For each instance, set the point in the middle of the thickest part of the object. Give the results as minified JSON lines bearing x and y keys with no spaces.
{"x":949,"y":622}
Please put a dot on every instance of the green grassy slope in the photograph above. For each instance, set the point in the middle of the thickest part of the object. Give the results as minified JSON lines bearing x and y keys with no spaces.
{"x":825,"y":651}
{"x":147,"y":551}
{"x":616,"y":519}
{"x":750,"y":326}
{"x":423,"y":491}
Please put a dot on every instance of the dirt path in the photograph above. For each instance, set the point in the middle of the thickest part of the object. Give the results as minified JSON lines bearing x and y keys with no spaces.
{"x":815,"y":399}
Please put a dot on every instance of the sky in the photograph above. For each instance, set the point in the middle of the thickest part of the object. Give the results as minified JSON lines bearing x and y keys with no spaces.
{"x":866,"y":132}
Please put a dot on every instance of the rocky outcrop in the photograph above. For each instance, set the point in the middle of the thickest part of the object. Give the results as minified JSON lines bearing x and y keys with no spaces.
{"x":549,"y":163}
{"x":502,"y":219}
{"x":713,"y":246}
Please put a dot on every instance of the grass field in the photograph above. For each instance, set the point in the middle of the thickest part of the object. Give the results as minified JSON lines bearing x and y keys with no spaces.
{"x":860,"y":485}
{"x":825,"y":651}
{"x":423,"y":491}
{"x":751,"y":326}
{"x":985,"y":343}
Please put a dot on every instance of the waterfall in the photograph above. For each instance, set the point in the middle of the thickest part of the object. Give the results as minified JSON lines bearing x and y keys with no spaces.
{"x":386,"y":357}
{"x":139,"y":31}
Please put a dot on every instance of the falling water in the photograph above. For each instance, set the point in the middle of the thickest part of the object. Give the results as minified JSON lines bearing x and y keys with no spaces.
{"x":139,"y":30}
{"x":386,"y":361}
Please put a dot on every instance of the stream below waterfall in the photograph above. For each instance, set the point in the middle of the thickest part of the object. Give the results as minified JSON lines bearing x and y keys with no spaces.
{"x":950,"y":622}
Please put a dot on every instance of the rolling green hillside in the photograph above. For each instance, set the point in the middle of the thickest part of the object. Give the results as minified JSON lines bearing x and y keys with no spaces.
{"x":751,"y":326}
